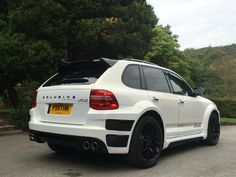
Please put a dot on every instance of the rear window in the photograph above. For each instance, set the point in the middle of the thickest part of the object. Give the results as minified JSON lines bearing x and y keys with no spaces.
{"x":155,"y":79}
{"x":82,"y":74}
{"x":131,"y":76}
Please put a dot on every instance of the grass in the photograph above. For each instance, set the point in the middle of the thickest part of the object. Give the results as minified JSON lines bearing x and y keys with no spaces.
{"x":227,"y":119}
{"x":9,"y":110}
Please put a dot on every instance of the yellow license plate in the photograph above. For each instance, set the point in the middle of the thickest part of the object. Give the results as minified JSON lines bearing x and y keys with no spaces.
{"x":60,"y":108}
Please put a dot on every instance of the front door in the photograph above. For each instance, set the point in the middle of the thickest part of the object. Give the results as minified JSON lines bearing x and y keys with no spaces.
{"x":190,"y":111}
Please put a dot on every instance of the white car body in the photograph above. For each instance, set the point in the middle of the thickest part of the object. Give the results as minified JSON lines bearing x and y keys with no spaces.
{"x":183,"y":117}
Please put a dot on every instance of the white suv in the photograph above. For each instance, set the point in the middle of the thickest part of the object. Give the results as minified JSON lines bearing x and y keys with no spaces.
{"x":121,"y":107}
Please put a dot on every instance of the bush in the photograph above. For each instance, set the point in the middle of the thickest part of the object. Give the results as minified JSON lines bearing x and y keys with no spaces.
{"x":20,"y":117}
{"x":227,"y":108}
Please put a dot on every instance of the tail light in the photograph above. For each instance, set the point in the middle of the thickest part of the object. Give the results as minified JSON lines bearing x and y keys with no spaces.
{"x":34,"y":99}
{"x":103,"y":100}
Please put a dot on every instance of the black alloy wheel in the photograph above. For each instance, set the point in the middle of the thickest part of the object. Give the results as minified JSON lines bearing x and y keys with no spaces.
{"x":213,"y":130}
{"x":146,"y":143}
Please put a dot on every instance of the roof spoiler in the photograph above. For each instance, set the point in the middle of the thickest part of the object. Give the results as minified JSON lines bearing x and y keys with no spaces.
{"x":95,"y":63}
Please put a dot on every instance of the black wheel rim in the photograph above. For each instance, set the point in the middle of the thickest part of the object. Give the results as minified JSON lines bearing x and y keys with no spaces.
{"x":215,"y":129}
{"x":150,"y":142}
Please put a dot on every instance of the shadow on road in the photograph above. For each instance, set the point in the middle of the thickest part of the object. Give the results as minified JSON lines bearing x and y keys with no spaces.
{"x":107,"y":163}
{"x":177,"y":150}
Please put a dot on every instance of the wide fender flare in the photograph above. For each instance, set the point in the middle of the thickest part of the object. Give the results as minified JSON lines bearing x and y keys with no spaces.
{"x":206,"y":117}
{"x":146,"y":106}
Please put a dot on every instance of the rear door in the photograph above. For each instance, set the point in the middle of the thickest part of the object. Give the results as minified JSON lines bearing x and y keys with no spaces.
{"x":159,"y":93}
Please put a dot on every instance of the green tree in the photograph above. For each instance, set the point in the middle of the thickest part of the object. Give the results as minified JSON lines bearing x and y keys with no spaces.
{"x":5,"y":7}
{"x":23,"y":60}
{"x":32,"y":42}
{"x":225,"y":70}
{"x":109,"y":28}
{"x":40,"y":20}
{"x":165,"y":52}
{"x":87,"y":28}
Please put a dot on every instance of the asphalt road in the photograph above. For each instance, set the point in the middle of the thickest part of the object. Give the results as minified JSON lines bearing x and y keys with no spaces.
{"x":19,"y":157}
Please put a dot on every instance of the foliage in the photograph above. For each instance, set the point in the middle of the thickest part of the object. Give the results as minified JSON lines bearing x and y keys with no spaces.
{"x":113,"y":28}
{"x":20,"y":117}
{"x":165,"y":52}
{"x":87,"y":29}
{"x":226,"y":107}
{"x":214,"y":68}
{"x":42,"y":20}
{"x":225,"y":69}
{"x":22,"y":59}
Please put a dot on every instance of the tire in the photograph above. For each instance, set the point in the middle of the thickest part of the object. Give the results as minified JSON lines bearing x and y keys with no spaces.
{"x":213,"y":131}
{"x":146,"y":143}
{"x":60,"y":148}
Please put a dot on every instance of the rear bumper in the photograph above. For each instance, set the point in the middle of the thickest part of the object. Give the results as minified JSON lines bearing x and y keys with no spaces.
{"x":67,"y":140}
{"x":110,"y":141}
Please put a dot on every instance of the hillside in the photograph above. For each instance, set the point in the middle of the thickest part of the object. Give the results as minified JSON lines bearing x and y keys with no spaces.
{"x":215,"y":69}
{"x":209,"y":54}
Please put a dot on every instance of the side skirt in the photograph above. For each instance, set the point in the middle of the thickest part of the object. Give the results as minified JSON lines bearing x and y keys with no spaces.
{"x":178,"y":143}
{"x":182,"y":140}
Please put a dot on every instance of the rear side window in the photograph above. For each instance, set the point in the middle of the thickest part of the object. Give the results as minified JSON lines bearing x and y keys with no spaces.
{"x":131,"y":76}
{"x":155,"y":79}
{"x":82,"y":74}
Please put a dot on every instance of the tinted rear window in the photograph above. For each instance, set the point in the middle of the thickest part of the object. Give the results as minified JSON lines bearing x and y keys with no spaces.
{"x":155,"y":79}
{"x":81,"y":74}
{"x":131,"y":76}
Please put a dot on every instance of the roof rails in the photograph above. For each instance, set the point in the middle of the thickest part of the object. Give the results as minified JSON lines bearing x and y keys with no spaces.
{"x":141,"y":61}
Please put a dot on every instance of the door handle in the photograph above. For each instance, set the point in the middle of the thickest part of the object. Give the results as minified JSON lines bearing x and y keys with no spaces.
{"x":155,"y":99}
{"x":181,"y":101}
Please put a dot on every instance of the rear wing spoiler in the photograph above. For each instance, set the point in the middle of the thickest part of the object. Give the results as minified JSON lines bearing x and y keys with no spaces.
{"x":94,"y":64}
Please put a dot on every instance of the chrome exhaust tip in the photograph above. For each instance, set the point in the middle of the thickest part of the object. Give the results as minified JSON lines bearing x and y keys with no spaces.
{"x":86,"y":145}
{"x":31,"y":137}
{"x":94,"y":146}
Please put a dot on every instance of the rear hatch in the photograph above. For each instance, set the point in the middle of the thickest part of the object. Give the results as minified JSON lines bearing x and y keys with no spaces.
{"x":64,"y":98}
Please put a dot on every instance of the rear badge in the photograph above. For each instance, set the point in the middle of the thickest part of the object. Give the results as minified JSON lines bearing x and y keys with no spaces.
{"x":60,"y":97}
{"x":82,"y":100}
{"x":197,"y":125}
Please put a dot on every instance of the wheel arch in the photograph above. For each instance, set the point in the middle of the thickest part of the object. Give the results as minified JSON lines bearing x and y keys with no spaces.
{"x":158,"y":118}
{"x":210,"y":109}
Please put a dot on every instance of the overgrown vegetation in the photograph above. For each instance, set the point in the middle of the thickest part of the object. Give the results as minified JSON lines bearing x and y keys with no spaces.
{"x":20,"y":117}
{"x":36,"y":36}
{"x":227,"y":107}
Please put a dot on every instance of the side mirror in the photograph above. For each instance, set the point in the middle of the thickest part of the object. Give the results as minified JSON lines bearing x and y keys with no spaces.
{"x":199,"y":91}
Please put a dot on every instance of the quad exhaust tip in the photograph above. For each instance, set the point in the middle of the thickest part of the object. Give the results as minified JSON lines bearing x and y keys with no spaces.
{"x":31,"y":136}
{"x":94,"y":146}
{"x":86,"y":145}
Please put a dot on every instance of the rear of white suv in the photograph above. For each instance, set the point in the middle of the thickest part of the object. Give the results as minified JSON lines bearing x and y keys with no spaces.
{"x":120,"y":107}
